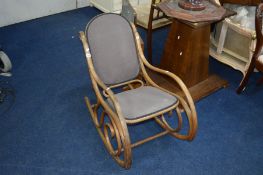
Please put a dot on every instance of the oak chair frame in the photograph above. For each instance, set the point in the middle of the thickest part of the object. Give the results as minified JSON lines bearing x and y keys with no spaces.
{"x":117,"y":126}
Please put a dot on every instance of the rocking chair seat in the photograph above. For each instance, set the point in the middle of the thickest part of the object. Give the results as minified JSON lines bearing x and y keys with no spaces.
{"x":143,"y":101}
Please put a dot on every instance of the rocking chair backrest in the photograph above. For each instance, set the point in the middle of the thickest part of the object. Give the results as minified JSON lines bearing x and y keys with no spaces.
{"x":113,"y":49}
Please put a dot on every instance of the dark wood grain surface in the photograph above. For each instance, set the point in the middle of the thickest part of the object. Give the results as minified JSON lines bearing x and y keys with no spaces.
{"x":241,"y":2}
{"x":186,"y":52}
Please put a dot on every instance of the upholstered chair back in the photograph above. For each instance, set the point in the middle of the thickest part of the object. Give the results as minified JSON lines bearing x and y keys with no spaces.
{"x":113,"y":49}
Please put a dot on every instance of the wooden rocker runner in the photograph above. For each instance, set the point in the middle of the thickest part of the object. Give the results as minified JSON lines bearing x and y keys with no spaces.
{"x":125,"y":93}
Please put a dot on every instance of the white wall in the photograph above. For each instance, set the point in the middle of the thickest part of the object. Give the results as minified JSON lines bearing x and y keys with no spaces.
{"x":82,"y":3}
{"x":14,"y":11}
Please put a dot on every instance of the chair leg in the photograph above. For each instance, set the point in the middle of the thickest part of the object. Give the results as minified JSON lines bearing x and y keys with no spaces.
{"x":245,"y":79}
{"x":149,"y":35}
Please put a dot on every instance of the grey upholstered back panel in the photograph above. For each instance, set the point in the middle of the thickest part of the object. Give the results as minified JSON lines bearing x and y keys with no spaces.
{"x":112,"y":48}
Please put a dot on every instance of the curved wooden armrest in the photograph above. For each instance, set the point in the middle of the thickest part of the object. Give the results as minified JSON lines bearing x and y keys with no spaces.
{"x":178,"y":80}
{"x":144,"y":62}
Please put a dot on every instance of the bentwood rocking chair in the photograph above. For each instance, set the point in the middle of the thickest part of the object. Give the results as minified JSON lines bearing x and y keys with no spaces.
{"x":125,"y":94}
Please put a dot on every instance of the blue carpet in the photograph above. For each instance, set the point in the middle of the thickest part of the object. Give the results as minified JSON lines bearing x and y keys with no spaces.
{"x":48,"y":129}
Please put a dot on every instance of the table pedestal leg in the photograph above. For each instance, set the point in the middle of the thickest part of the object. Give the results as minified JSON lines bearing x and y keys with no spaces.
{"x":186,"y":54}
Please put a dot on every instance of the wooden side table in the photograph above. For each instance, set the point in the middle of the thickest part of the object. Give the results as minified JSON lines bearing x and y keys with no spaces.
{"x":186,"y":53}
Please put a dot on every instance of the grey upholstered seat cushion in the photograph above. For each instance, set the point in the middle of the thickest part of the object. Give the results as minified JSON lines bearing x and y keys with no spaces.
{"x":143,"y":101}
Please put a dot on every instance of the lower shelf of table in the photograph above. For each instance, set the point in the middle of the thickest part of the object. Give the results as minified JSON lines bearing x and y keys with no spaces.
{"x":198,"y":91}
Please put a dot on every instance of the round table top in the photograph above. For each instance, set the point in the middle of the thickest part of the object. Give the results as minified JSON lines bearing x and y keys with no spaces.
{"x":212,"y":12}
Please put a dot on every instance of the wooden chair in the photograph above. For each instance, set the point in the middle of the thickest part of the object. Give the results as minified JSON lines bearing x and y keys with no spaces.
{"x":257,"y":60}
{"x":125,"y":93}
{"x":228,"y":35}
{"x":155,"y":15}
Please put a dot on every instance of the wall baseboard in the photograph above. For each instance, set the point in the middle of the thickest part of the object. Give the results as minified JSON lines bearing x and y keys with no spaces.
{"x":15,"y":11}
